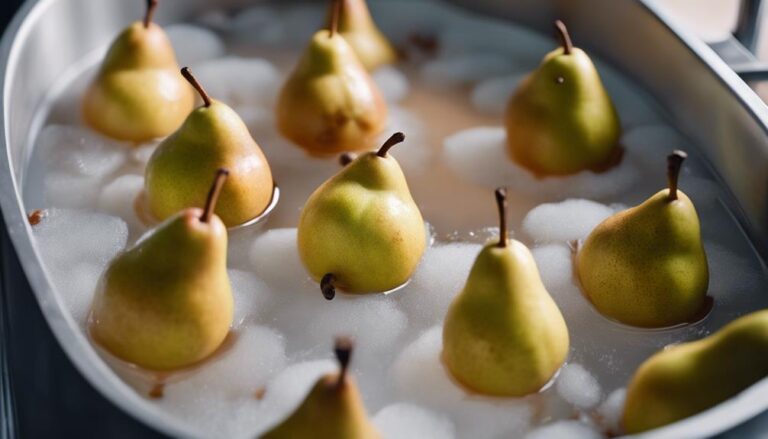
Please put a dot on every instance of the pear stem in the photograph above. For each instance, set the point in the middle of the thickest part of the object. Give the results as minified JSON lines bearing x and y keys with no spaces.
{"x":333,"y":28}
{"x":151,"y":6}
{"x":392,"y":141}
{"x":213,"y":194}
{"x":187,"y":74}
{"x":327,"y":287}
{"x":501,"y":202}
{"x":343,"y":350}
{"x":347,"y":158}
{"x":674,"y":163}
{"x":565,"y":37}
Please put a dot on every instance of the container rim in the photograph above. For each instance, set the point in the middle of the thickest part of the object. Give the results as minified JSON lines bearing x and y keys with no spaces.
{"x":726,"y":415}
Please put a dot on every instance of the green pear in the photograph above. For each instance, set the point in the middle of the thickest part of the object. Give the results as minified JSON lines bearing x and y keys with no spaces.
{"x":503,"y":334}
{"x":330,"y":104}
{"x":561,"y":120}
{"x":166,"y":303}
{"x":361,"y":231}
{"x":688,"y":378}
{"x":332,"y":409}
{"x":361,"y":33}
{"x":212,"y":137}
{"x":138,"y":94}
{"x":646,"y":266}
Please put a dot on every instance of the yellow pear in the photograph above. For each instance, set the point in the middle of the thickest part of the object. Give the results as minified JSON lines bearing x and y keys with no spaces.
{"x":561,"y":120}
{"x":361,"y":231}
{"x":138,"y":94}
{"x":646,"y":266}
{"x":503,"y":334}
{"x":212,"y":137}
{"x":166,"y":303}
{"x":688,"y":378}
{"x":332,"y":409}
{"x":361,"y":33}
{"x":330,"y":104}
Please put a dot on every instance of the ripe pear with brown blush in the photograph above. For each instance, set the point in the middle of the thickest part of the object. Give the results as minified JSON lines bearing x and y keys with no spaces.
{"x":357,"y":27}
{"x":686,"y":379}
{"x":361,"y":231}
{"x":561,"y":119}
{"x":503,"y":334}
{"x":332,"y":409}
{"x":138,"y":94}
{"x":330,"y":104}
{"x":212,"y":137}
{"x":166,"y":303}
{"x":646,"y":266}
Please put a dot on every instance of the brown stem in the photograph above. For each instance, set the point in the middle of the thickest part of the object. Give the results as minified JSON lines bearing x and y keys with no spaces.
{"x":347,"y":158}
{"x":213,"y":194}
{"x":501,"y":202}
{"x":187,"y":74}
{"x":335,"y":14}
{"x":151,"y":6}
{"x":674,"y":163}
{"x":343,"y":350}
{"x":392,"y":141}
{"x":565,"y":37}
{"x":327,"y":287}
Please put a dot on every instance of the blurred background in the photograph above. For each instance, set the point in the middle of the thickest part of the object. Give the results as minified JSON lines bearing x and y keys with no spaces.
{"x":42,"y":395}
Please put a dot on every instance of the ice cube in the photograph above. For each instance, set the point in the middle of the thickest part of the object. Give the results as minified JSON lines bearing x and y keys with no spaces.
{"x":479,"y":155}
{"x":73,"y":236}
{"x":253,"y":299}
{"x":555,"y":264}
{"x":65,"y":190}
{"x":220,"y":398}
{"x":465,"y":69}
{"x":612,"y":410}
{"x":406,"y":420}
{"x":491,"y":96}
{"x":288,"y":389}
{"x":79,"y":152}
{"x":240,"y":81}
{"x":75,"y":247}
{"x":194,"y":44}
{"x":578,"y":386}
{"x":275,"y":259}
{"x":565,"y":429}
{"x":419,"y":374}
{"x":392,"y":82}
{"x":491,"y":418}
{"x":118,"y":198}
{"x":374,"y":321}
{"x":441,"y":275}
{"x":569,"y":220}
{"x":257,"y":353}
{"x":140,"y":155}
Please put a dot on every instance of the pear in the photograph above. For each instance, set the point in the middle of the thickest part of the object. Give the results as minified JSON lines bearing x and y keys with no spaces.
{"x":361,"y":33}
{"x":213,"y":136}
{"x":330,"y":104}
{"x":332,"y":409}
{"x":646,"y":266}
{"x":688,"y":378}
{"x":561,"y":120}
{"x":138,"y":93}
{"x":503,"y":334}
{"x":166,"y":303}
{"x":361,"y":231}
